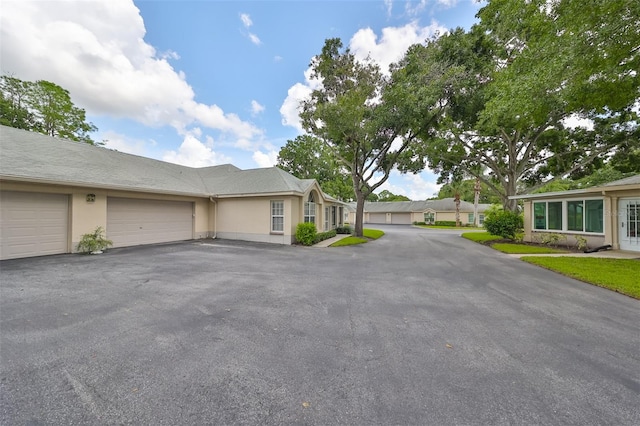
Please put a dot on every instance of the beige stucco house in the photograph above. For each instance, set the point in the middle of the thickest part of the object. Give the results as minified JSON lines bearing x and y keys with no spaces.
{"x":604,"y":215}
{"x":53,"y":191}
{"x":428,"y":211}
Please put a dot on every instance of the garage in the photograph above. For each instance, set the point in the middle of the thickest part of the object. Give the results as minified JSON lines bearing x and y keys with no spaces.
{"x":33,"y":224}
{"x":401,"y":218}
{"x":133,"y":221}
{"x":377,"y":218}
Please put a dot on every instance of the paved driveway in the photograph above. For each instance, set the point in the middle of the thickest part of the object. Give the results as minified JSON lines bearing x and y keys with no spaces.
{"x":420,"y":327}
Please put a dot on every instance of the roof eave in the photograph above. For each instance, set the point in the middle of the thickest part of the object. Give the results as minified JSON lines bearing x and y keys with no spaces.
{"x":23,"y":179}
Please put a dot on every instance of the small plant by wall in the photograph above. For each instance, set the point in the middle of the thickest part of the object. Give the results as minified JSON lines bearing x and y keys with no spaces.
{"x":94,"y":242}
{"x":306,"y":233}
{"x":581,"y":242}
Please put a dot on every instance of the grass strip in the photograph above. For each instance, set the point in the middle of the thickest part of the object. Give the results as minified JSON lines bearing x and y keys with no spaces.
{"x":374,"y":234}
{"x":349,"y":241}
{"x":619,"y":275}
{"x":480,"y":237}
{"x":514,"y":248}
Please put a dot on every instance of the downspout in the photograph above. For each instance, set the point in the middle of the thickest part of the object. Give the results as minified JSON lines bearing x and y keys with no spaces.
{"x":215,"y":217}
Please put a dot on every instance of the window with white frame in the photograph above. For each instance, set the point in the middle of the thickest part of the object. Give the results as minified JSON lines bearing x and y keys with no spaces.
{"x":277,"y":216}
{"x":429,"y":218}
{"x":326,"y":218}
{"x":480,"y":219}
{"x":310,"y":209}
{"x":570,"y":215}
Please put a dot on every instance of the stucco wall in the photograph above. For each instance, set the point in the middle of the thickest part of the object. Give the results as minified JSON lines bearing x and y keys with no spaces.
{"x":86,"y":216}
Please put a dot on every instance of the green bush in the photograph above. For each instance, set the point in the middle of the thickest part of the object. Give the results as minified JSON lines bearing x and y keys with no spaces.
{"x":346,"y":229}
{"x":419,"y":223}
{"x":94,"y":242}
{"x":445,"y":223}
{"x":306,"y":233}
{"x":324,"y":236}
{"x":504,"y":223}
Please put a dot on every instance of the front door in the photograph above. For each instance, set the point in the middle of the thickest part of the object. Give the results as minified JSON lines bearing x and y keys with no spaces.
{"x":629,"y":224}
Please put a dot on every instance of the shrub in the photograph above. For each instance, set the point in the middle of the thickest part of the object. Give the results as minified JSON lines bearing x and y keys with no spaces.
{"x":306,"y":233}
{"x":445,"y":223}
{"x":324,"y":236}
{"x":550,"y":238}
{"x":94,"y":242}
{"x":504,"y":223}
{"x":419,"y":223}
{"x":581,"y":243}
{"x":346,"y":229}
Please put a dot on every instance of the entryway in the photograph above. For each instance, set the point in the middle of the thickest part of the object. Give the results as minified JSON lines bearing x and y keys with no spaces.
{"x":629,"y":224}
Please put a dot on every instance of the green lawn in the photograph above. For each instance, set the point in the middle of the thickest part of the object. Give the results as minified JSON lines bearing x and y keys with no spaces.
{"x":480,"y":237}
{"x":514,"y":248}
{"x":374,"y":234}
{"x":349,"y":241}
{"x":619,"y":275}
{"x":368,"y":234}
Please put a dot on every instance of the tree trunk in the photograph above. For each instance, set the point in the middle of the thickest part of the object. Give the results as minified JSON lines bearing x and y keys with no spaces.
{"x":360,"y":198}
{"x":457,"y":201}
{"x":476,"y":198}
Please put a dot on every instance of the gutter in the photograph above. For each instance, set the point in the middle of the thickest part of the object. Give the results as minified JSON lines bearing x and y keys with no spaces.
{"x":215,"y":217}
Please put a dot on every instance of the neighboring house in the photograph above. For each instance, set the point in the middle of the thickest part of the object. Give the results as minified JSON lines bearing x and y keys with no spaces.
{"x":54,"y":191}
{"x":606,"y":214}
{"x":408,"y":212}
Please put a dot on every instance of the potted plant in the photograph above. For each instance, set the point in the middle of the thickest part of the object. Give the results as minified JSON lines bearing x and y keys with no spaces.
{"x":94,"y":243}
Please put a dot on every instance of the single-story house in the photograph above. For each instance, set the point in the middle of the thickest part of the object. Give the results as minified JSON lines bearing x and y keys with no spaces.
{"x":428,"y":211}
{"x":53,"y":191}
{"x":604,"y":215}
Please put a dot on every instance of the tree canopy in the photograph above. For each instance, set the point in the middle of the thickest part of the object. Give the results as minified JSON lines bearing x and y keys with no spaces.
{"x":526,"y":68}
{"x":307,"y":157}
{"x":42,"y":107}
{"x":357,"y":114}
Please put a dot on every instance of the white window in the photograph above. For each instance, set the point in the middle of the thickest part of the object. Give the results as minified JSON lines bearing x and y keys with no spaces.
{"x":277,"y":216}
{"x":310,"y":209}
{"x":480,"y":219}
{"x":326,"y":218}
{"x":429,"y":218}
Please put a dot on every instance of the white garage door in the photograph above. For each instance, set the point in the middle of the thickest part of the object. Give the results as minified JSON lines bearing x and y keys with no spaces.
{"x":133,"y":222}
{"x":401,"y":218}
{"x":377,"y":218}
{"x":33,"y":224}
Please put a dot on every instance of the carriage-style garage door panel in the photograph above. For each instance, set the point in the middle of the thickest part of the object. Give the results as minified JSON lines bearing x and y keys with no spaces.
{"x":377,"y":218}
{"x":401,"y":218}
{"x":33,"y":224}
{"x":133,"y":222}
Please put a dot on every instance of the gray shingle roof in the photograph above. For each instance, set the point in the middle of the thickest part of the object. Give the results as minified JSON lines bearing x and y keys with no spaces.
{"x":631,"y":180}
{"x":443,"y":205}
{"x":29,"y":156}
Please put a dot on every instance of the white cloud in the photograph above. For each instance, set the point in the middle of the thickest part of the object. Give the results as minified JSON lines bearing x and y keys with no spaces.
{"x":574,"y":121}
{"x":193,"y":153}
{"x":96,"y":50}
{"x":256,"y":108}
{"x":389,"y":5}
{"x":290,"y":108}
{"x":417,"y":187}
{"x":393,"y":44}
{"x":265,"y":160}
{"x":246,"y":20}
{"x":390,"y":48}
{"x":254,"y":39}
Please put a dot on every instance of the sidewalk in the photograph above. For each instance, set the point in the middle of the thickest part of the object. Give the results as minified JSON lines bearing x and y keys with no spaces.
{"x":327,"y":243}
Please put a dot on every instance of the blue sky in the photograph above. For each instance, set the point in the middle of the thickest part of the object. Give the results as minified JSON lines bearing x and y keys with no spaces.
{"x":208,"y":82}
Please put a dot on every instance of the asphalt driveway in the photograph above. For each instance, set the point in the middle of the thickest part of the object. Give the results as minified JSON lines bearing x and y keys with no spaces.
{"x":419,"y":327}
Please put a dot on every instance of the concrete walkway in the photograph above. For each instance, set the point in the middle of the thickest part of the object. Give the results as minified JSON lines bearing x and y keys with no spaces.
{"x":327,"y":243}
